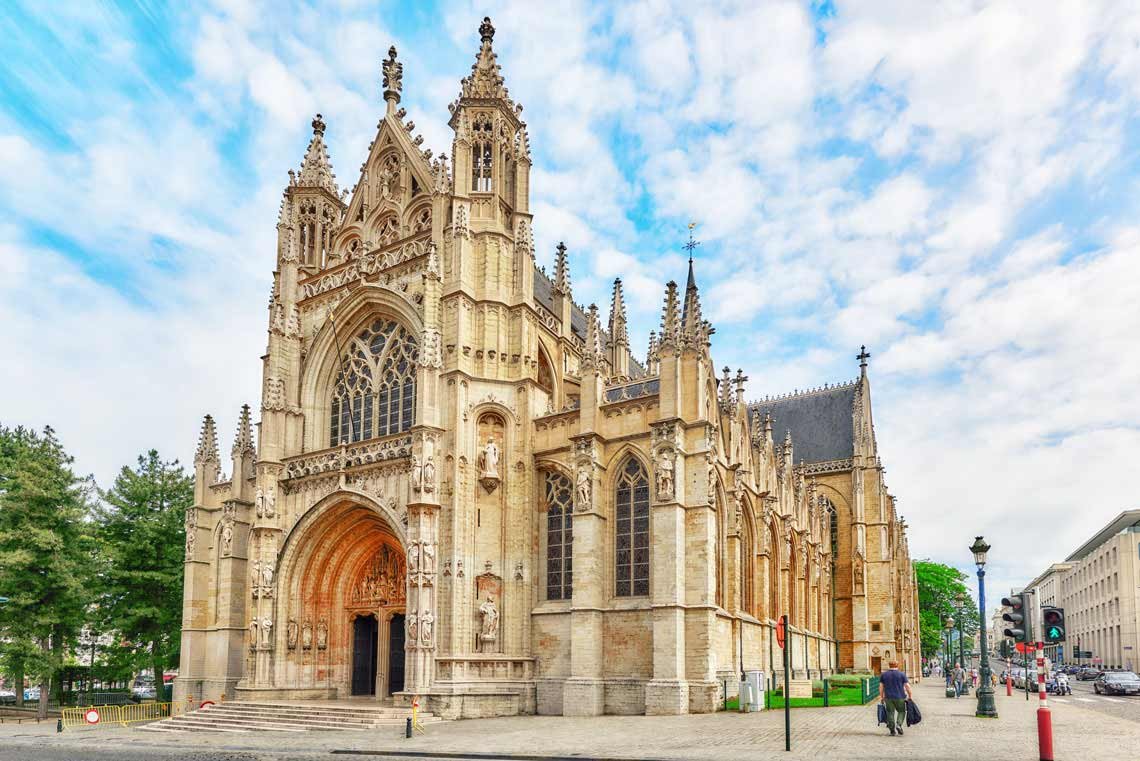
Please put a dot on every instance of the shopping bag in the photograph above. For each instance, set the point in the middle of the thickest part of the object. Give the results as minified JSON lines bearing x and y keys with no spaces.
{"x":882,"y":714}
{"x":913,"y":715}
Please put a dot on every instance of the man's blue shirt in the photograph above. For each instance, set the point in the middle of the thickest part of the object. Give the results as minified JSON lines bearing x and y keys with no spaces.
{"x":893,"y":681}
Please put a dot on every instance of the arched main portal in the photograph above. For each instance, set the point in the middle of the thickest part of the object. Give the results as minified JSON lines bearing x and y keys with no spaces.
{"x":345,"y":587}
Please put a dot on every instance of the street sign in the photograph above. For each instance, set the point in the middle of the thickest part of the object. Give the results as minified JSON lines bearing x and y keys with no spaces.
{"x":780,"y":632}
{"x":91,"y":716}
{"x":1024,"y":647}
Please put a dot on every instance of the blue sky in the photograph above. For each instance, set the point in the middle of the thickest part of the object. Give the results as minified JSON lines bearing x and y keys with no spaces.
{"x":952,"y":184}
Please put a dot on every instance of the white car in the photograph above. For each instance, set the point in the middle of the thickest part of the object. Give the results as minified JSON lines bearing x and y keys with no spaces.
{"x":7,"y":697}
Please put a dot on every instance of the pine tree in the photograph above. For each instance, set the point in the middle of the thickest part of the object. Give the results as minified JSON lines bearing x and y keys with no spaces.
{"x":141,"y":544}
{"x":45,"y":554}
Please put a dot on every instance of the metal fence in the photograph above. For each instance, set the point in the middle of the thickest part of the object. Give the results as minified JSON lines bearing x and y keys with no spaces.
{"x":107,"y":715}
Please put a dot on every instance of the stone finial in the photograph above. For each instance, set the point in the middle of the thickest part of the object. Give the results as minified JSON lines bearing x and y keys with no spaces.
{"x":243,"y":441}
{"x":740,"y":379}
{"x":593,"y":356}
{"x":863,"y":356}
{"x":726,"y":388}
{"x":652,"y":358}
{"x":316,"y":168}
{"x":561,"y":271}
{"x":207,"y":443}
{"x":393,"y":72}
{"x":486,"y":30}
{"x":670,"y":317}
{"x":486,"y":80}
{"x":619,"y":332}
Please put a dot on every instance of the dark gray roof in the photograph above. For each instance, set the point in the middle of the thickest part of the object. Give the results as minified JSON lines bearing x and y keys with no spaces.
{"x":820,"y":422}
{"x":543,"y":289}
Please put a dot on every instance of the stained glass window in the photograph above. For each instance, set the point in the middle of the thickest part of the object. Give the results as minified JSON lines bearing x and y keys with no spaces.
{"x":559,"y":538}
{"x":631,"y":538}
{"x":375,"y":389}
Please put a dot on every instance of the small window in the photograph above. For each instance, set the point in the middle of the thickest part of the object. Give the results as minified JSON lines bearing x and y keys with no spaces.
{"x":876,"y":626}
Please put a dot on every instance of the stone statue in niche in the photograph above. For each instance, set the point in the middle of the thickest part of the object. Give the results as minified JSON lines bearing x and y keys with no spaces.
{"x":227,"y":538}
{"x":429,"y":474}
{"x":254,"y":626}
{"x":489,"y":626}
{"x":426,"y":621}
{"x":265,"y":504}
{"x":267,"y":632}
{"x":489,"y":465}
{"x":291,"y":634}
{"x":191,"y":543}
{"x":428,"y":558}
{"x":255,"y":577}
{"x":322,"y":634}
{"x":267,"y":578}
{"x":414,"y":558}
{"x":665,"y":475}
{"x":412,"y":624}
{"x":417,"y":474}
{"x":857,"y":574}
{"x":582,"y":488}
{"x":307,"y":635}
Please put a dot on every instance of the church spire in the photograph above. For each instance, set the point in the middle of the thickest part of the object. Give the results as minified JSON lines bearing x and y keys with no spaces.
{"x":393,"y":80}
{"x":243,"y":441}
{"x":486,"y":78}
{"x":316,"y":169}
{"x":561,"y":271}
{"x":619,"y":332}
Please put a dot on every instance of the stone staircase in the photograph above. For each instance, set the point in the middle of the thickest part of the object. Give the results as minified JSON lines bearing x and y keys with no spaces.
{"x":287,"y":717}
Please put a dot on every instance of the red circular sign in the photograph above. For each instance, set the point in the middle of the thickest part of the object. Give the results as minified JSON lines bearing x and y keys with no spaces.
{"x":91,"y":716}
{"x":780,"y":631}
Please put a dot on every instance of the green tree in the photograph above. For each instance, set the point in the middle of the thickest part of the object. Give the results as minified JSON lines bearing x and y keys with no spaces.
{"x":45,"y":554}
{"x":141,"y":544}
{"x":940,"y":587}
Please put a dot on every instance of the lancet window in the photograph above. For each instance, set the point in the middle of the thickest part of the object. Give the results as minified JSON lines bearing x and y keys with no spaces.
{"x":559,"y":538}
{"x":631,"y":539}
{"x":375,"y":388}
{"x":747,"y":567}
{"x":482,"y":151}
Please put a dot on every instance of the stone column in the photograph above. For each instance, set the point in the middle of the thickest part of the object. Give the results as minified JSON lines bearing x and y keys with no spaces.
{"x":584,"y":692}
{"x":423,"y":561}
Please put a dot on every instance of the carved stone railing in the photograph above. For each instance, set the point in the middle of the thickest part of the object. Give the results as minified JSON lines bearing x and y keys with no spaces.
{"x":828,"y":466}
{"x":353,"y":455}
{"x":504,"y":668}
{"x":633,"y":390}
{"x":549,"y":319}
{"x":364,"y":265}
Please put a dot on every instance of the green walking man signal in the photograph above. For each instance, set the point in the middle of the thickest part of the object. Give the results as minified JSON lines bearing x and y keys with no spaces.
{"x":1054,"y":620}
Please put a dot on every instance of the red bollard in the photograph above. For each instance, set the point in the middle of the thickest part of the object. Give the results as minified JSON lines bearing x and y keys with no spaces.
{"x":1008,"y":685}
{"x":1045,"y":733}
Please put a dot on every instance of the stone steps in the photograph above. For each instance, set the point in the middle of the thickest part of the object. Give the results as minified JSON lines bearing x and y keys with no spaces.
{"x":285,"y":717}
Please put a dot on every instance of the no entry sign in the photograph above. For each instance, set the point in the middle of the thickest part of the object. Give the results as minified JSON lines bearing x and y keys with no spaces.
{"x":91,"y":716}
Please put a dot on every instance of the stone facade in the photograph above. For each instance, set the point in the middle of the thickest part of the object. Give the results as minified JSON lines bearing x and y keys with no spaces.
{"x":467,"y":488}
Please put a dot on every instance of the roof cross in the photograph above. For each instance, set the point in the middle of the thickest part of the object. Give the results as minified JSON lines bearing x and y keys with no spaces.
{"x":692,"y":244}
{"x":863,"y":356}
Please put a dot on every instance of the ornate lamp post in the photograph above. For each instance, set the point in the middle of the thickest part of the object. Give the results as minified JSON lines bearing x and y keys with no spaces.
{"x":960,"y":607}
{"x":948,"y":625}
{"x":986,"y":706}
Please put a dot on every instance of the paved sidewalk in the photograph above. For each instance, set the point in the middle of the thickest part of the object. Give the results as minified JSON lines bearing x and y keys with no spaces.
{"x":949,"y":729}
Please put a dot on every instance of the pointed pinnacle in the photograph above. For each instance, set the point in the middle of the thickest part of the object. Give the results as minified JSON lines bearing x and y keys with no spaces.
{"x":207,"y":443}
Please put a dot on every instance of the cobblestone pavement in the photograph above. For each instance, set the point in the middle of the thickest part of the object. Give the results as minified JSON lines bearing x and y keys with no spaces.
{"x":820,"y":733}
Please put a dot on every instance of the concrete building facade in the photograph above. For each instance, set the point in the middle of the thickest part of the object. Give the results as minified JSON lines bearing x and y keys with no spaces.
{"x":466,"y":487}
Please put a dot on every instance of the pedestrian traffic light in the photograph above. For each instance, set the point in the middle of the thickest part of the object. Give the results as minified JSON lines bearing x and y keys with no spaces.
{"x":1054,"y":620}
{"x":1017,"y":630}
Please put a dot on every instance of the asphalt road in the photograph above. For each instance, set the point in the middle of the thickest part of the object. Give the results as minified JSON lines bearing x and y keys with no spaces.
{"x":1120,"y":706}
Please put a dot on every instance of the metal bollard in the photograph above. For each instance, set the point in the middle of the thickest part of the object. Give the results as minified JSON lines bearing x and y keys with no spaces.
{"x":408,"y":728}
{"x":59,"y":725}
{"x":826,"y":696}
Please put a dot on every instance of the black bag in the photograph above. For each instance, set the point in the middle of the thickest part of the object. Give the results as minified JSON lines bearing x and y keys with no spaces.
{"x":913,"y":715}
{"x":883,"y":714}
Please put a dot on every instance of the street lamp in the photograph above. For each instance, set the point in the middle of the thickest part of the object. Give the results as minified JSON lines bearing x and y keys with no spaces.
{"x":986,"y":706}
{"x":949,"y":626}
{"x":961,"y":608}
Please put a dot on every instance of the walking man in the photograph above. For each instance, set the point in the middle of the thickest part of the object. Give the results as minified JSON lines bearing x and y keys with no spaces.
{"x":894,"y":691}
{"x":959,"y":679}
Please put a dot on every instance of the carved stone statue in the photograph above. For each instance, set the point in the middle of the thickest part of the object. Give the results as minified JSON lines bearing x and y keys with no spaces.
{"x":255,"y":576}
{"x":191,"y":543}
{"x":665,"y":474}
{"x":489,"y":630}
{"x":857,"y":573}
{"x":426,"y":621}
{"x":489,"y":460}
{"x":414,"y":558}
{"x":322,"y":634}
{"x":227,"y":538}
{"x":307,"y":635}
{"x":291,"y":634}
{"x":412,"y":624}
{"x":428,"y":558}
{"x":582,"y":488}
{"x":264,"y":504}
{"x":417,"y":474}
{"x":254,"y":626}
{"x":267,"y":632}
{"x":429,"y":474}
{"x":267,"y":578}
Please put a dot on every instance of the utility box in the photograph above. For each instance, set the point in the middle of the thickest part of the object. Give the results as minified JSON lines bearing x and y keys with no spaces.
{"x":757,"y":681}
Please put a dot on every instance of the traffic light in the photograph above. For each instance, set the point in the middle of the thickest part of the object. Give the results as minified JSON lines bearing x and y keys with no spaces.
{"x":1018,"y":629}
{"x":1054,"y":619}
{"x":1006,"y":649}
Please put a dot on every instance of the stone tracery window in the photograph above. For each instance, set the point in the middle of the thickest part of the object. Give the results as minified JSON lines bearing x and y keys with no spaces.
{"x":374,"y":393}
{"x":388,"y":231}
{"x":747,"y":567}
{"x":631,"y":538}
{"x":559,"y":537}
{"x":482,"y":149}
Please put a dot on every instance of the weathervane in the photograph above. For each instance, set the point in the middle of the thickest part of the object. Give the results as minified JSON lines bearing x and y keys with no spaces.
{"x":692,"y":244}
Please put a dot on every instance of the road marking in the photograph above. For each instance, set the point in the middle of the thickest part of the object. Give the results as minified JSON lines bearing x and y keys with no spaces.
{"x":1114,"y":700}
{"x":1060,"y":700}
{"x":1086,"y":700}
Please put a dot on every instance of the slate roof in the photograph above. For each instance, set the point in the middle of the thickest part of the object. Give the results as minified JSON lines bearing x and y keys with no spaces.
{"x":820,"y":422}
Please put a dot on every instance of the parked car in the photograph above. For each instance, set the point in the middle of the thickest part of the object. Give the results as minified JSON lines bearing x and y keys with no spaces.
{"x":7,"y":698}
{"x":1088,"y":674}
{"x":1117,"y":683}
{"x":144,"y":692}
{"x":32,"y":693}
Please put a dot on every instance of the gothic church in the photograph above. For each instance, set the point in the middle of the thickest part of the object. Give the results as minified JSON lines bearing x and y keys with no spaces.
{"x":465,"y":487}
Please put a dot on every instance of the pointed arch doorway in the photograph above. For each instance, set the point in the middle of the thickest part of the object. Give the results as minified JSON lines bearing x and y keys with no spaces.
{"x":365,"y":633}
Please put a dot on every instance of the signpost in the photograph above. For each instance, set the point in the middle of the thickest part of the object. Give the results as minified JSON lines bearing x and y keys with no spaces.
{"x":781,"y":636}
